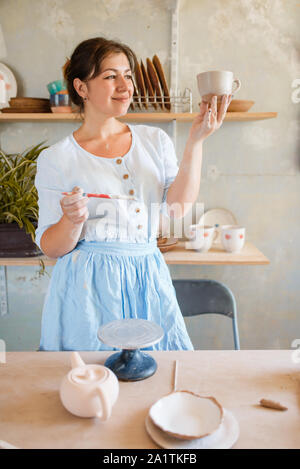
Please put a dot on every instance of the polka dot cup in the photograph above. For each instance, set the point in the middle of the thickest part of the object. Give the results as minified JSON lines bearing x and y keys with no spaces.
{"x":202,"y":237}
{"x":233,"y":237}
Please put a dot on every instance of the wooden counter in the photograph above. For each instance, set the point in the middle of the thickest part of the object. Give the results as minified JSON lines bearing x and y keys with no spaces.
{"x":250,"y":255}
{"x":32,"y":415}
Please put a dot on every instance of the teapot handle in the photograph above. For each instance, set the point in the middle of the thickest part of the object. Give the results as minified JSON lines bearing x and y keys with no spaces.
{"x":105,"y":403}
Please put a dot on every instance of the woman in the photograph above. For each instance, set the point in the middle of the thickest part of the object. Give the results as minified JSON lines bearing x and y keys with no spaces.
{"x":109,"y":266}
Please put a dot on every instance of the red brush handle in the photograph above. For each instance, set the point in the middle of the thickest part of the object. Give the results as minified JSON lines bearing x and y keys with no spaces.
{"x":102,"y":196}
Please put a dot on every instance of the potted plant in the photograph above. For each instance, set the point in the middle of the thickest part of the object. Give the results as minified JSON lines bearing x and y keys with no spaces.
{"x":18,"y":203}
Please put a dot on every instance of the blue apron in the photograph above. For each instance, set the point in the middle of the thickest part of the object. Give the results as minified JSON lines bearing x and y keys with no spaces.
{"x":99,"y":282}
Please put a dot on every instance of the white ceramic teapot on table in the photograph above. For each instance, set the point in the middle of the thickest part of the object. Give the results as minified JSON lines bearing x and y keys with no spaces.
{"x":89,"y":390}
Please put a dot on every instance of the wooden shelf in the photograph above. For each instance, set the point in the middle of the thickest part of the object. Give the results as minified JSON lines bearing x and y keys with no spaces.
{"x":138,"y":117}
{"x":250,"y":255}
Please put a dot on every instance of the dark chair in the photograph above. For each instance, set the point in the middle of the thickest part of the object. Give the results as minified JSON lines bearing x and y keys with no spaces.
{"x":197,"y":297}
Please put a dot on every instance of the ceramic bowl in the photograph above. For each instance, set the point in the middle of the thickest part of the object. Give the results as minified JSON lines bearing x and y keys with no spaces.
{"x":240,"y":105}
{"x":186,"y":415}
{"x":237,"y":105}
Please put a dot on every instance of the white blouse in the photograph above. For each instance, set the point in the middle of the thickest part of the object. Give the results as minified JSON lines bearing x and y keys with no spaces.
{"x":145,"y":172}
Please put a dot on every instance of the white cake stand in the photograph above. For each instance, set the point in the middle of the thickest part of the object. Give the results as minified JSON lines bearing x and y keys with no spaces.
{"x":130,"y":335}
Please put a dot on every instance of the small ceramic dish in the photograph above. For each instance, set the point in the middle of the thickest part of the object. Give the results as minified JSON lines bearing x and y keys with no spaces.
{"x":186,"y":415}
{"x":165,"y":244}
{"x":224,"y":438}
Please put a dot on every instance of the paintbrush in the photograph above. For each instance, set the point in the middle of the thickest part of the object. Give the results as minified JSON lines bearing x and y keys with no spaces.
{"x":103,"y":196}
{"x":100,"y":196}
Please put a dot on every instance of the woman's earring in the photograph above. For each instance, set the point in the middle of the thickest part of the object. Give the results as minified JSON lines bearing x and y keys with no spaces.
{"x":85,"y":99}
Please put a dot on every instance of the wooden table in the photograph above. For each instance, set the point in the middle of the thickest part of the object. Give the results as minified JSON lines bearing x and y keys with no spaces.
{"x":32,"y":415}
{"x":249,"y":255}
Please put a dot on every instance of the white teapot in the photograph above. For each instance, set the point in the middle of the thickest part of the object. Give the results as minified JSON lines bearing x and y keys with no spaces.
{"x":89,"y":390}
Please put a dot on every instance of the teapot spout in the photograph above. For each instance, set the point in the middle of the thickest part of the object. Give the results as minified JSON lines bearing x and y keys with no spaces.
{"x":76,"y":360}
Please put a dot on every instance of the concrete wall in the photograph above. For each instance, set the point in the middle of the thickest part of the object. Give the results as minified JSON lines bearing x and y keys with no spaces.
{"x":249,"y":168}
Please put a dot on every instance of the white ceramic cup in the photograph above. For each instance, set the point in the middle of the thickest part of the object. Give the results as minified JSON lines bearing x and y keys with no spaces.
{"x":210,"y":235}
{"x":217,"y":82}
{"x":201,"y":236}
{"x":195,"y":234}
{"x":233,"y":237}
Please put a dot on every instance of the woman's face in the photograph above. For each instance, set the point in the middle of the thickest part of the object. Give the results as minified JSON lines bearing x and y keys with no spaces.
{"x":111,"y":91}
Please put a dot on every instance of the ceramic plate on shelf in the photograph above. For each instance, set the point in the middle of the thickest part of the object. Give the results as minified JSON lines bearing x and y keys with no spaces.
{"x":223,"y":438}
{"x":10,"y":82}
{"x":163,"y":81}
{"x":139,"y":78}
{"x":151,"y":70}
{"x":218,"y":217}
{"x":148,"y":86}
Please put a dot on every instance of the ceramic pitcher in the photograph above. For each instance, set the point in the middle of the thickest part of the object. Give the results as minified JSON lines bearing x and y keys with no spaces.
{"x":89,"y":390}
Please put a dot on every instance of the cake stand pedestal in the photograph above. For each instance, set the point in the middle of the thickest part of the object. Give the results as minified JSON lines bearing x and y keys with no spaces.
{"x":130,"y":335}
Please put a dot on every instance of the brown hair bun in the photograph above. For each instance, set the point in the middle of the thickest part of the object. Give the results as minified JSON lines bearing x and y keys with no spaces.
{"x":65,"y":68}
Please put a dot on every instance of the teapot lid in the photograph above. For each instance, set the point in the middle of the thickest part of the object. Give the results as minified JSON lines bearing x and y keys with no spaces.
{"x":89,"y":374}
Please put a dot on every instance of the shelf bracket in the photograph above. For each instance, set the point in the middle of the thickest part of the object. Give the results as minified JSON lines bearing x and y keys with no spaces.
{"x":174,"y":49}
{"x":3,"y":291}
{"x":174,"y":63}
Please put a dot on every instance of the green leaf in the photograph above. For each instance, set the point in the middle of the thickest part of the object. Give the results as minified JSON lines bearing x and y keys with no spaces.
{"x":18,"y":194}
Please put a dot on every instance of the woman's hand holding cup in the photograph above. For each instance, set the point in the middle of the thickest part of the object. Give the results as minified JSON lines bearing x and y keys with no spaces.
{"x":209,"y":119}
{"x":74,"y":206}
{"x":213,"y":86}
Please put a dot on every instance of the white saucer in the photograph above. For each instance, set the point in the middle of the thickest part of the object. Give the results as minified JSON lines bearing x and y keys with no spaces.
{"x":223,"y":438}
{"x":218,"y":217}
